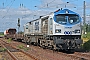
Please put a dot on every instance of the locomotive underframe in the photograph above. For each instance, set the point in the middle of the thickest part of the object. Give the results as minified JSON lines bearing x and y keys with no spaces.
{"x":63,"y":42}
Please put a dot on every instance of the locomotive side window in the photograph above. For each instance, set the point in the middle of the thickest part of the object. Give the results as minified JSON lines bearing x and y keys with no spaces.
{"x":26,"y":26}
{"x":46,"y":22}
{"x":50,"y":21}
{"x":36,"y":25}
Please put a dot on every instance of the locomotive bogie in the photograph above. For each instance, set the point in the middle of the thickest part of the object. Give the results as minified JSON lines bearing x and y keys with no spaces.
{"x":46,"y":43}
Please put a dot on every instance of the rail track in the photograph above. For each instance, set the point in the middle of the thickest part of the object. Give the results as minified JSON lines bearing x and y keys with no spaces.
{"x":74,"y":56}
{"x":16,"y":54}
{"x":83,"y":55}
{"x":47,"y":54}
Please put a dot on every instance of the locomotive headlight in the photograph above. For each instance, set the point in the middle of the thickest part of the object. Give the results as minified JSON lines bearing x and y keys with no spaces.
{"x":58,"y":31}
{"x":77,"y":31}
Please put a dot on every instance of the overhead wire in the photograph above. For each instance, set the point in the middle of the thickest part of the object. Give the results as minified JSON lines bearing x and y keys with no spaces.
{"x":53,"y":5}
{"x":47,"y":4}
{"x":9,"y":7}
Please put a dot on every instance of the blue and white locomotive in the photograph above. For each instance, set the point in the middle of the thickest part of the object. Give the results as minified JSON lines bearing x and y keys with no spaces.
{"x":58,"y":30}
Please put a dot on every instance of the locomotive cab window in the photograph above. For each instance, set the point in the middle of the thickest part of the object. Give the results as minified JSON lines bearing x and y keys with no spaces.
{"x":61,"y":19}
{"x":73,"y":19}
{"x":67,"y":19}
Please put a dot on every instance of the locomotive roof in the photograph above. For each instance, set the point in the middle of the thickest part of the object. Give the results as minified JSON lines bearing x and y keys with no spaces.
{"x":33,"y":20}
{"x":11,"y":29}
{"x":65,"y":11}
{"x":56,"y":13}
{"x":41,"y":17}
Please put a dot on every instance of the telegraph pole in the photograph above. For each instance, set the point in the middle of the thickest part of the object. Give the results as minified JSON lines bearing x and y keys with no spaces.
{"x":84,"y":17}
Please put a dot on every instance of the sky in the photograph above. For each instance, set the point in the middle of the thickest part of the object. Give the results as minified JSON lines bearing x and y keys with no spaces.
{"x":27,"y":10}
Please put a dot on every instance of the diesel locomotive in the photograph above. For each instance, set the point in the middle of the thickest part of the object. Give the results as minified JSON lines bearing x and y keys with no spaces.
{"x":58,"y":30}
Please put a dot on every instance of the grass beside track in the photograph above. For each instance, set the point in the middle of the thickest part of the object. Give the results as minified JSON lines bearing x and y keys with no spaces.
{"x":86,"y":41}
{"x":86,"y":37}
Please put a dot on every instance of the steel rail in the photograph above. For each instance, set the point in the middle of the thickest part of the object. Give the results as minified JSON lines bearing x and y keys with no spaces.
{"x":72,"y":56}
{"x":31,"y":56}
{"x":9,"y":52}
